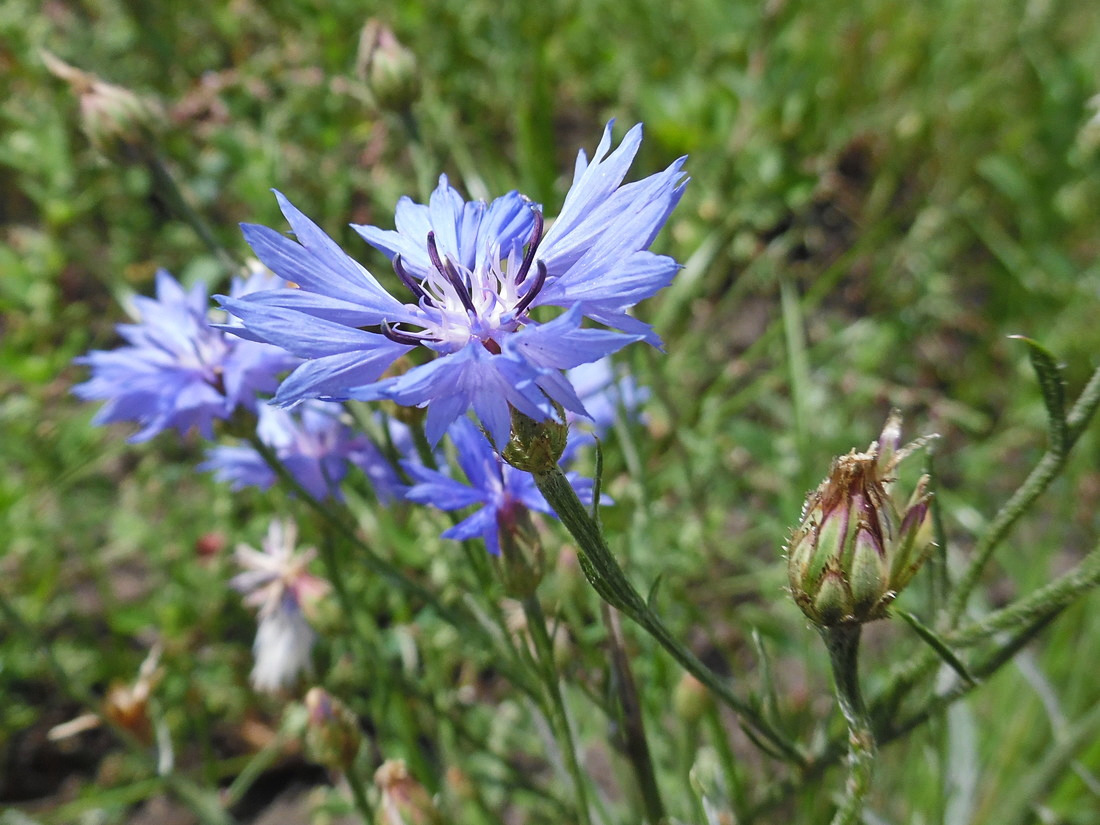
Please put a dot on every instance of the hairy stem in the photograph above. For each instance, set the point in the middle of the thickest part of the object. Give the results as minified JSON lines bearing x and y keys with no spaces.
{"x":165,"y":185}
{"x":842,"y":642}
{"x":1023,"y":621}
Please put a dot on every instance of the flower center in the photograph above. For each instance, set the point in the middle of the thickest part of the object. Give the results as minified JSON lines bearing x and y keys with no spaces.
{"x":457,"y":303}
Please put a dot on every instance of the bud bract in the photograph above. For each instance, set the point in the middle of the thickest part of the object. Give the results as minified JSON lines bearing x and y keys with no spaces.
{"x":859,"y":542}
{"x":536,"y":446}
{"x":387,"y":68}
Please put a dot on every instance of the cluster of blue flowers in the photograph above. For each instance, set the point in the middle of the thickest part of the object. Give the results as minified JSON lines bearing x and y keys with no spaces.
{"x":324,"y":330}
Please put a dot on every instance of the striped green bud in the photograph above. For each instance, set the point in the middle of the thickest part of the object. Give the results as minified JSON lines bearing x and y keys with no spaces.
{"x":858,"y":544}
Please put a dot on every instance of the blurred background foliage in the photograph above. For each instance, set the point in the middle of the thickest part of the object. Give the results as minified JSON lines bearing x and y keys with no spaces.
{"x":881,"y":193}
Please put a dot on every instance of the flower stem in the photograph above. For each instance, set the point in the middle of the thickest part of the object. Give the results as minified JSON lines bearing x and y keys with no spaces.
{"x":1048,"y":468}
{"x":359,"y":796}
{"x":165,"y":185}
{"x":1021,"y":621}
{"x":842,"y":642}
{"x":637,"y":745}
{"x":544,"y":650}
{"x":607,"y":577}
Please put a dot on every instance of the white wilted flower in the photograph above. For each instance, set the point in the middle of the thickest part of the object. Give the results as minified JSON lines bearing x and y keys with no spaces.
{"x":276,"y":581}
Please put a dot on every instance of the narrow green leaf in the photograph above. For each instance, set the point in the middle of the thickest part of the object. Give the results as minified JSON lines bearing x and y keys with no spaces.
{"x":652,"y":596}
{"x":757,"y":740}
{"x":936,"y":642}
{"x":1053,"y":390}
{"x":798,"y":366}
{"x":769,"y":694}
{"x":597,"y":483}
{"x":941,"y":584}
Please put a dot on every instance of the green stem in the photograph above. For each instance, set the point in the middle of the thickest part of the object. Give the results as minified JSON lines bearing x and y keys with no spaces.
{"x":735,"y":787}
{"x":798,"y":373}
{"x":1055,"y":596}
{"x":607,"y":577}
{"x":989,"y":665}
{"x":544,"y":650}
{"x":359,"y":796}
{"x":165,"y":185}
{"x":637,"y":745}
{"x":1048,"y":468}
{"x":842,"y":642}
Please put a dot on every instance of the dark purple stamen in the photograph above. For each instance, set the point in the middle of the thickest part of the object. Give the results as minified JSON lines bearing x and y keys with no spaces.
{"x":433,"y":253}
{"x":536,"y":287}
{"x":408,"y":280}
{"x":448,"y":271}
{"x":532,"y":245}
{"x":400,"y":337}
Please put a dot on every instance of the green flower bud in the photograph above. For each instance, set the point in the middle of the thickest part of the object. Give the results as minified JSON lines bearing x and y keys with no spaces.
{"x":536,"y":446}
{"x":333,"y":736}
{"x":858,"y":544}
{"x":387,"y":68}
{"x":118,"y":123}
{"x":691,"y":699}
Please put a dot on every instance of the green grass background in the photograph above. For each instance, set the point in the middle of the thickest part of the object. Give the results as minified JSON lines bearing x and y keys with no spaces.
{"x":918,"y":181}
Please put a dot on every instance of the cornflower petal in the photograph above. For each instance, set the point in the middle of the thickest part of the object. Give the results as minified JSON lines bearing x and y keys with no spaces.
{"x":481,"y":524}
{"x":562,"y":343}
{"x":305,"y":335}
{"x":498,"y":487}
{"x":594,"y":182}
{"x":337,"y":310}
{"x":328,"y":252}
{"x":471,"y":377}
{"x":292,"y":261}
{"x":330,"y":376}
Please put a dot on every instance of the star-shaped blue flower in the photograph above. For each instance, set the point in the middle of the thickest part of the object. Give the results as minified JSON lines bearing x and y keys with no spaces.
{"x":177,"y":370}
{"x":473,"y":272}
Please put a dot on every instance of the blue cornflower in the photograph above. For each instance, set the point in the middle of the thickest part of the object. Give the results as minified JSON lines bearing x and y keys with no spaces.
{"x":500,"y":489}
{"x":474,"y":272}
{"x":178,"y":371}
{"x":314,"y":445}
